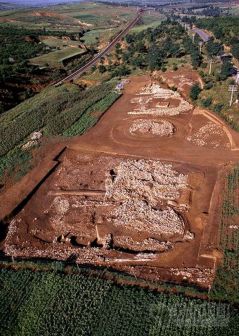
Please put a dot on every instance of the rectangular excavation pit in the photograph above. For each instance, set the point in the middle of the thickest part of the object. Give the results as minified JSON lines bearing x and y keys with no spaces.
{"x":115,"y":211}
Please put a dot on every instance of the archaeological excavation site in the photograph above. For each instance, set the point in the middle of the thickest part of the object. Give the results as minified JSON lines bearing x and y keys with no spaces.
{"x":133,"y":194}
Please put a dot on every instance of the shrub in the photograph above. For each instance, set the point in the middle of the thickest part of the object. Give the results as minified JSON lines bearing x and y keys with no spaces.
{"x":208,"y":85}
{"x":218,"y":108}
{"x":195,"y":91}
{"x":207,"y":102}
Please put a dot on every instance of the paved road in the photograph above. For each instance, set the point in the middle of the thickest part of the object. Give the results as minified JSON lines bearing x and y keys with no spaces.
{"x":111,"y":45}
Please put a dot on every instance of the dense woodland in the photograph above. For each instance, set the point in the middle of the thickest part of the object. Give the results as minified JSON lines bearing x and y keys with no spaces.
{"x":18,"y":78}
{"x":225,"y":29}
{"x":150,"y":50}
{"x":18,"y":45}
{"x":204,"y":11}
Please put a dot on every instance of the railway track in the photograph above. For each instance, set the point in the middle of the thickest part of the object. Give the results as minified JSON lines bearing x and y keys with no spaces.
{"x":104,"y":52}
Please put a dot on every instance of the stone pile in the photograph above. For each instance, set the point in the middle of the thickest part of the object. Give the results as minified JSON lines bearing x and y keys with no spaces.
{"x":149,"y":244}
{"x":183,"y":107}
{"x":203,"y":277}
{"x":160,"y":127}
{"x":154,"y":91}
{"x":146,"y":180}
{"x":205,"y":136}
{"x":141,"y":217}
{"x":142,"y":190}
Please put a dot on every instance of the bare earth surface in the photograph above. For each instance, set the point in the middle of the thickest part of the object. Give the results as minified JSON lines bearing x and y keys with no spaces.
{"x":140,"y":192}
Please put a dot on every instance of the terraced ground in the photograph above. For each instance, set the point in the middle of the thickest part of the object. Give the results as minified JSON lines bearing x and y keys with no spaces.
{"x":56,"y":58}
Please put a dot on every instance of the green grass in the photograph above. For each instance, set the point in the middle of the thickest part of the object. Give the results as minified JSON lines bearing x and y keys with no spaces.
{"x":104,"y":35}
{"x":16,"y":163}
{"x":92,"y":115}
{"x":89,"y":18}
{"x":144,"y":26}
{"x":226,"y":283}
{"x":54,"y":111}
{"x":57,"y":42}
{"x":54,"y":59}
{"x":178,"y":61}
{"x":48,"y":303}
{"x":31,"y":19}
{"x":90,"y":37}
{"x":95,"y":76}
{"x":99,"y":15}
{"x":220,"y":95}
{"x":49,"y":96}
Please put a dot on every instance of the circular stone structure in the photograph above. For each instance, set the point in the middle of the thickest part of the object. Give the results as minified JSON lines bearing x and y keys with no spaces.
{"x":160,"y":127}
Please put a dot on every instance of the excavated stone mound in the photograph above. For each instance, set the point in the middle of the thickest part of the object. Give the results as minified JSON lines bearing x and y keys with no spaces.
{"x":160,"y":127}
{"x":131,"y":209}
{"x":149,"y":244}
{"x":208,"y":135}
{"x":143,"y":190}
{"x":151,"y":92}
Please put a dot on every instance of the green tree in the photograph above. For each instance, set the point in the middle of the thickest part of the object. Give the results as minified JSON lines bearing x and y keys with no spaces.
{"x":102,"y":68}
{"x":155,"y":58}
{"x":226,"y":70}
{"x":207,"y":102}
{"x":195,"y":91}
{"x":235,"y":50}
{"x":213,"y":48}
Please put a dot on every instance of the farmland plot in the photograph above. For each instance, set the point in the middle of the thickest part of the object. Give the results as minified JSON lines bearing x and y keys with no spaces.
{"x":54,"y":304}
{"x":227,"y":280}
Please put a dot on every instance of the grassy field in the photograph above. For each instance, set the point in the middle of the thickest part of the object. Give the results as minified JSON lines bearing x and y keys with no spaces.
{"x":144,"y":26}
{"x":70,"y":17}
{"x":92,"y":37}
{"x":49,"y":303}
{"x":226,"y":283}
{"x":54,"y":111}
{"x":57,"y":42}
{"x":87,"y":18}
{"x":234,"y":11}
{"x":74,"y":16}
{"x":38,"y":19}
{"x":178,"y":61}
{"x":98,"y":15}
{"x":221,"y":97}
{"x":92,"y":115}
{"x":55,"y":59}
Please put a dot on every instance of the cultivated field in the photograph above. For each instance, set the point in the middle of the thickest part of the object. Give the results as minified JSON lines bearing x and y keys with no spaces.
{"x":55,"y":59}
{"x":60,"y":43}
{"x":44,"y":303}
{"x":64,"y":110}
{"x":62,"y":51}
{"x":72,"y":17}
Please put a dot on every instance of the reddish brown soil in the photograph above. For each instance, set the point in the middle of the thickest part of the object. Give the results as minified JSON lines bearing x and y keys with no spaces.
{"x":83,"y":167}
{"x":182,"y":79}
